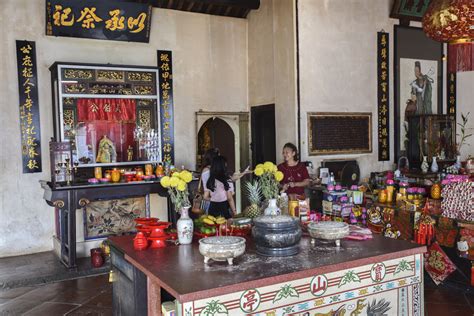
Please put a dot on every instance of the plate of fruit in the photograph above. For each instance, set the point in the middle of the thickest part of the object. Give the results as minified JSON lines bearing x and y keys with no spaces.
{"x":207,"y":225}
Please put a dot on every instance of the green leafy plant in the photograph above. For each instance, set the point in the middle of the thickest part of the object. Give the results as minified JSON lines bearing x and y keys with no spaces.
{"x":464,"y":135}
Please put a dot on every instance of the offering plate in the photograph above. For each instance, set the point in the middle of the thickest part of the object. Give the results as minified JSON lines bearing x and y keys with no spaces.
{"x":328,"y":231}
{"x":221,"y":248}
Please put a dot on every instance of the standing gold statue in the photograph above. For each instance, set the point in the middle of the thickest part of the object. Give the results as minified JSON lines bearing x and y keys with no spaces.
{"x":106,"y":153}
{"x":129,"y":153}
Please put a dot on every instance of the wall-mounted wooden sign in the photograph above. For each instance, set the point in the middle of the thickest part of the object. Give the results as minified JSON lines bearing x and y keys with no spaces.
{"x":339,"y":133}
{"x":165,"y":80}
{"x":105,"y":20}
{"x":383,"y":110}
{"x":29,"y":106}
{"x":409,"y":10}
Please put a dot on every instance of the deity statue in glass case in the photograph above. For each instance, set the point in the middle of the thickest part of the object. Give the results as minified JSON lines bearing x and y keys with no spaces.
{"x":106,"y":153}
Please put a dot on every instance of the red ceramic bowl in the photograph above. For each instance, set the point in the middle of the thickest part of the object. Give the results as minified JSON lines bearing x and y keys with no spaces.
{"x":144,"y":229}
{"x":145,"y":220}
{"x":158,"y":242}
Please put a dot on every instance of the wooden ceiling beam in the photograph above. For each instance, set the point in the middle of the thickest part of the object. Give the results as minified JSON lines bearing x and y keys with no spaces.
{"x":233,"y":8}
{"x":190,"y":6}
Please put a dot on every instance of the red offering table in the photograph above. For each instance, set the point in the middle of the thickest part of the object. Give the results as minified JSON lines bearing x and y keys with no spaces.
{"x":381,"y":274}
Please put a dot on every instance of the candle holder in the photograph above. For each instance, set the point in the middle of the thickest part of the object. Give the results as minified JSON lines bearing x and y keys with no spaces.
{"x":66,"y":168}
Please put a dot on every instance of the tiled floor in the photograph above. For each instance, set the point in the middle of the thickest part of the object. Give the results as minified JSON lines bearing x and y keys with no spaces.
{"x":93,"y":296}
{"x":41,"y":268}
{"x":446,"y":301}
{"x":87,"y":296}
{"x":26,"y":288}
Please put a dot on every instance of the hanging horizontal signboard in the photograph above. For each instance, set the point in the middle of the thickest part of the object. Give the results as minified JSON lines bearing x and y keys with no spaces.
{"x":29,"y":107}
{"x":105,"y":20}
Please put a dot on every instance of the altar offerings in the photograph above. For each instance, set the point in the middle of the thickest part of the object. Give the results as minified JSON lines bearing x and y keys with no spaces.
{"x":221,"y":248}
{"x":328,"y":231}
{"x":276,"y":236}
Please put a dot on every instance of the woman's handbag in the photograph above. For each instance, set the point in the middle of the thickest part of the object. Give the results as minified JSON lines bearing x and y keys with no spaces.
{"x":200,"y":205}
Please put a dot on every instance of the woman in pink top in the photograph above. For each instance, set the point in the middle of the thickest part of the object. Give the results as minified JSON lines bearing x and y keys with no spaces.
{"x":219,"y":189}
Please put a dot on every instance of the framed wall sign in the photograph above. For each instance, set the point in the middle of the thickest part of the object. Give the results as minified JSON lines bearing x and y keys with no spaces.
{"x":409,"y":9}
{"x":105,"y":20}
{"x":418,"y":80}
{"x":332,"y":133}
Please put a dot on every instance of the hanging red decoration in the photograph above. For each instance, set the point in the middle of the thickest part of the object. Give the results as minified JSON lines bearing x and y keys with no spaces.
{"x":450,"y":21}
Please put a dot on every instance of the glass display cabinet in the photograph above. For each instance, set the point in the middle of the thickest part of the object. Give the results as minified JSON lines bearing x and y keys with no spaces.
{"x":110,"y":114}
{"x":431,"y":136}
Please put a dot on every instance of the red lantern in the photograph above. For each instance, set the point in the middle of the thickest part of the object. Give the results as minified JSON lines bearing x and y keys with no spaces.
{"x":450,"y":21}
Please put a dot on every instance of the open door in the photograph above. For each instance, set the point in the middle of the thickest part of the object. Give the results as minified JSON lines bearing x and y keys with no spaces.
{"x":263,"y":134}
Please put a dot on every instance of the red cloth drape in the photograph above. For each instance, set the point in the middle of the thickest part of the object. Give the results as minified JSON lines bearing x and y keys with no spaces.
{"x":460,"y":57}
{"x":112,"y":117}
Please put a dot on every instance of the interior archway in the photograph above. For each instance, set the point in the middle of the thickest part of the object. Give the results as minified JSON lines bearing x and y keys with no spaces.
{"x":216,"y":133}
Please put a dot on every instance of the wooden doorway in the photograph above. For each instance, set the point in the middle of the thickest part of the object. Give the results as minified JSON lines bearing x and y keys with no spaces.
{"x":239,"y":158}
{"x":263,"y":134}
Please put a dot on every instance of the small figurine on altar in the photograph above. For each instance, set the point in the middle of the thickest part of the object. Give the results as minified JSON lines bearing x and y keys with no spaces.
{"x":129,"y":153}
{"x":463,"y":248}
{"x":106,"y":153}
{"x":375,"y":215}
{"x":391,"y":232}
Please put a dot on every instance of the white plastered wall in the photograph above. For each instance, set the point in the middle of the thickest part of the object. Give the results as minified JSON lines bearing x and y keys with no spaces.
{"x":210,"y":73}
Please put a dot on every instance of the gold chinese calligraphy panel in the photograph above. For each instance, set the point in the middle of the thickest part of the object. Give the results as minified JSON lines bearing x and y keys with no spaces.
{"x":29,"y":107}
{"x":106,"y":20}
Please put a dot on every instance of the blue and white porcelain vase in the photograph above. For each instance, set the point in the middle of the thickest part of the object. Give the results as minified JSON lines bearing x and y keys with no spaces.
{"x":185,"y":227}
{"x":424,"y":165}
{"x":272,"y":208}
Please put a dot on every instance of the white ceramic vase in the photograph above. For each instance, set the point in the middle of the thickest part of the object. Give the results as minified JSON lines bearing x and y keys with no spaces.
{"x":434,"y":165}
{"x":272,"y":208}
{"x":458,"y":162}
{"x":424,"y":165}
{"x":185,"y":227}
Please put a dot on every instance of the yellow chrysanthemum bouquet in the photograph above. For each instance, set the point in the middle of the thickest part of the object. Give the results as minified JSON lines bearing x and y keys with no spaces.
{"x":177,"y":186}
{"x":269,"y":178}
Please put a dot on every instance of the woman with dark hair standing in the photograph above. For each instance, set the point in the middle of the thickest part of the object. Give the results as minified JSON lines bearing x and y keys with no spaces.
{"x":220,"y":189}
{"x":296,"y":176}
{"x":209,"y":155}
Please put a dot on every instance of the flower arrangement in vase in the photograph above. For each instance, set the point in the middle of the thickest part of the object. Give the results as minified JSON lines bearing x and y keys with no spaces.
{"x":269,"y":179}
{"x":177,"y":186}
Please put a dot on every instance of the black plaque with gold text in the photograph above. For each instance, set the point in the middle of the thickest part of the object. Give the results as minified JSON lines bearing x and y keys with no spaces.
{"x":29,"y":107}
{"x":105,"y":20}
{"x":383,"y":110}
{"x":165,"y":80}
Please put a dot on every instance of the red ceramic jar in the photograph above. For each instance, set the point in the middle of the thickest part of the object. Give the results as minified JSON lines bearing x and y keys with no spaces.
{"x":97,"y":257}
{"x":140,"y":242}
